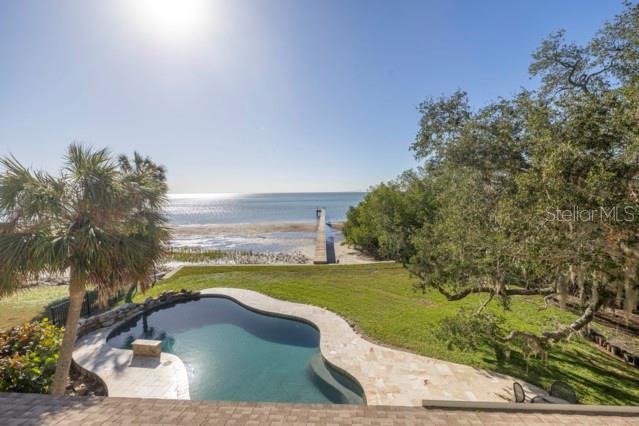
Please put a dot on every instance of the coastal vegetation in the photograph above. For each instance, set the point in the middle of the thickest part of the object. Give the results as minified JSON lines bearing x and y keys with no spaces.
{"x":100,"y":220}
{"x":379,"y":301}
{"x":28,"y":357}
{"x":232,"y":257}
{"x":532,"y":195}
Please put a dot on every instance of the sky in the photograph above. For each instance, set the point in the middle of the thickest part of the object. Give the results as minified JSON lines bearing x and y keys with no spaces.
{"x":260,"y":95}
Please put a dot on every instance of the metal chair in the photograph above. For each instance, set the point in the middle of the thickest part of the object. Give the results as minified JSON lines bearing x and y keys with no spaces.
{"x":518,"y":390}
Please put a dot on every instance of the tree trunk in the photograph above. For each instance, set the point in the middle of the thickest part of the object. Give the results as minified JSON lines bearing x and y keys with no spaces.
{"x":76,"y":297}
{"x":562,"y":288}
{"x":620,"y":286}
{"x":630,"y":302}
{"x":581,"y":284}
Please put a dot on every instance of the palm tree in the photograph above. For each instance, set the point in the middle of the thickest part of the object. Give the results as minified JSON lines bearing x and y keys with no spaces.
{"x":100,"y":221}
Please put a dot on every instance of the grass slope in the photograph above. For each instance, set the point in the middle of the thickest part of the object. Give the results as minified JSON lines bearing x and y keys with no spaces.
{"x":380,"y":300}
{"x":29,"y":303}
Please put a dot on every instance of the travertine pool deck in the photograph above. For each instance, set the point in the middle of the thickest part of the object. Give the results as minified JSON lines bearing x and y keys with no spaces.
{"x":128,"y":376}
{"x":30,"y":409}
{"x":388,"y":376}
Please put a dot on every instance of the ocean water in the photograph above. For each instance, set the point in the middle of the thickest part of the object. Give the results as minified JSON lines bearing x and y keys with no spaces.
{"x":231,"y":221}
{"x":205,"y":209}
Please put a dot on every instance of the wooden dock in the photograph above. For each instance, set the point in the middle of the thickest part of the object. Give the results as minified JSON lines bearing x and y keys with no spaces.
{"x":321,"y":255}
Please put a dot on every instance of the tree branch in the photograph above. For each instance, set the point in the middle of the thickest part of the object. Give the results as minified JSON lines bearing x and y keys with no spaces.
{"x":489,"y":289}
{"x":541,"y":341}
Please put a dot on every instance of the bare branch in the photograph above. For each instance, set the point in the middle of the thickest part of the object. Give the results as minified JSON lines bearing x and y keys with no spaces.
{"x":546,"y":337}
{"x":490,"y":289}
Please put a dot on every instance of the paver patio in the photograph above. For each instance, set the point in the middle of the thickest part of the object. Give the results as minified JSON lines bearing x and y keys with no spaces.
{"x":31,"y":409}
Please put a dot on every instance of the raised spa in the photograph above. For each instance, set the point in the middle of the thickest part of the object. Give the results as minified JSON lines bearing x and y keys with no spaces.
{"x":235,"y":353}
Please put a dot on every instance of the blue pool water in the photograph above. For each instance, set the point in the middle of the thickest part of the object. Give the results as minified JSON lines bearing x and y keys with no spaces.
{"x":234,"y":353}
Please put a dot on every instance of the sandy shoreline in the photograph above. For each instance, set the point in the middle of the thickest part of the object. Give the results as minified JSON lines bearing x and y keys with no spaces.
{"x":303,"y":240}
{"x":241,"y":228}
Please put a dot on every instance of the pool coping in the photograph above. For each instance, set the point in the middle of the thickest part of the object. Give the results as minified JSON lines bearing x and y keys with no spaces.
{"x":387,"y":376}
{"x":124,"y":375}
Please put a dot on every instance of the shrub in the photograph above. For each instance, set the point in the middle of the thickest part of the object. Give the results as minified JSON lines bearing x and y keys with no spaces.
{"x":383,"y":224}
{"x":28,"y":356}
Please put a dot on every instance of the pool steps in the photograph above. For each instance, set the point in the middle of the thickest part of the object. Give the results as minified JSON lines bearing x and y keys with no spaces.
{"x":321,"y":372}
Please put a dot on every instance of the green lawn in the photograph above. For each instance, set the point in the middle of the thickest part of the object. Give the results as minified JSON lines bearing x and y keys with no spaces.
{"x":380,"y":300}
{"x":28,"y":304}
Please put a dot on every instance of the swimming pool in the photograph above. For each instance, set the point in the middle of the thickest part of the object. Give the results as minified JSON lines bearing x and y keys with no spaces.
{"x":234,"y":353}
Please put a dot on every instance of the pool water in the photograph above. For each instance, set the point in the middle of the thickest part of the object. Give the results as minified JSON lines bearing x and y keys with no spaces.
{"x":234,"y":353}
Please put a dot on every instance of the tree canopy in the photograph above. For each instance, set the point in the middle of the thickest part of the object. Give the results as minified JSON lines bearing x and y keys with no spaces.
{"x":100,"y":220}
{"x":532,"y":194}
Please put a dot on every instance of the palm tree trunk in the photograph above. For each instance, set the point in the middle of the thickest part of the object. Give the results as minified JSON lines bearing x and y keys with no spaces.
{"x":76,"y":297}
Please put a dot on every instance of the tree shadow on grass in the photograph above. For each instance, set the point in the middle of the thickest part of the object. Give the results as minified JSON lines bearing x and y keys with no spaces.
{"x":595,"y":376}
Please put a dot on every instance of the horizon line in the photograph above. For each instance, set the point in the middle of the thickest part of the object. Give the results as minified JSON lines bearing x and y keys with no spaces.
{"x":196,"y":194}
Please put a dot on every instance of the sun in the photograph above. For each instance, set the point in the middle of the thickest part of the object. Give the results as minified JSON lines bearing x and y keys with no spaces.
{"x":172,"y":21}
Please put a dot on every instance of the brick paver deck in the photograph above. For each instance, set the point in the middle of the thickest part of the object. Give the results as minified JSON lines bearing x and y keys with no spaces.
{"x":30,"y":409}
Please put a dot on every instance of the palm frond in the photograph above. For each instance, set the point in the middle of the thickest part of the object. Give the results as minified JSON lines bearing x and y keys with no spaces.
{"x":28,"y":196}
{"x":25,"y":255}
{"x":102,"y":218}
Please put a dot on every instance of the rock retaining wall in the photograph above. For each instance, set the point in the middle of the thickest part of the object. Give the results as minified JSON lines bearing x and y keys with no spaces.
{"x":130,"y":310}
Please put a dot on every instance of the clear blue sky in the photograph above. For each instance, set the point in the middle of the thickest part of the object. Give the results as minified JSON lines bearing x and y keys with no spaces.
{"x":256,"y":95}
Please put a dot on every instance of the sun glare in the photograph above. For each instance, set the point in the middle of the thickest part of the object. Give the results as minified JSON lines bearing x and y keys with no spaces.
{"x":172,"y":21}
